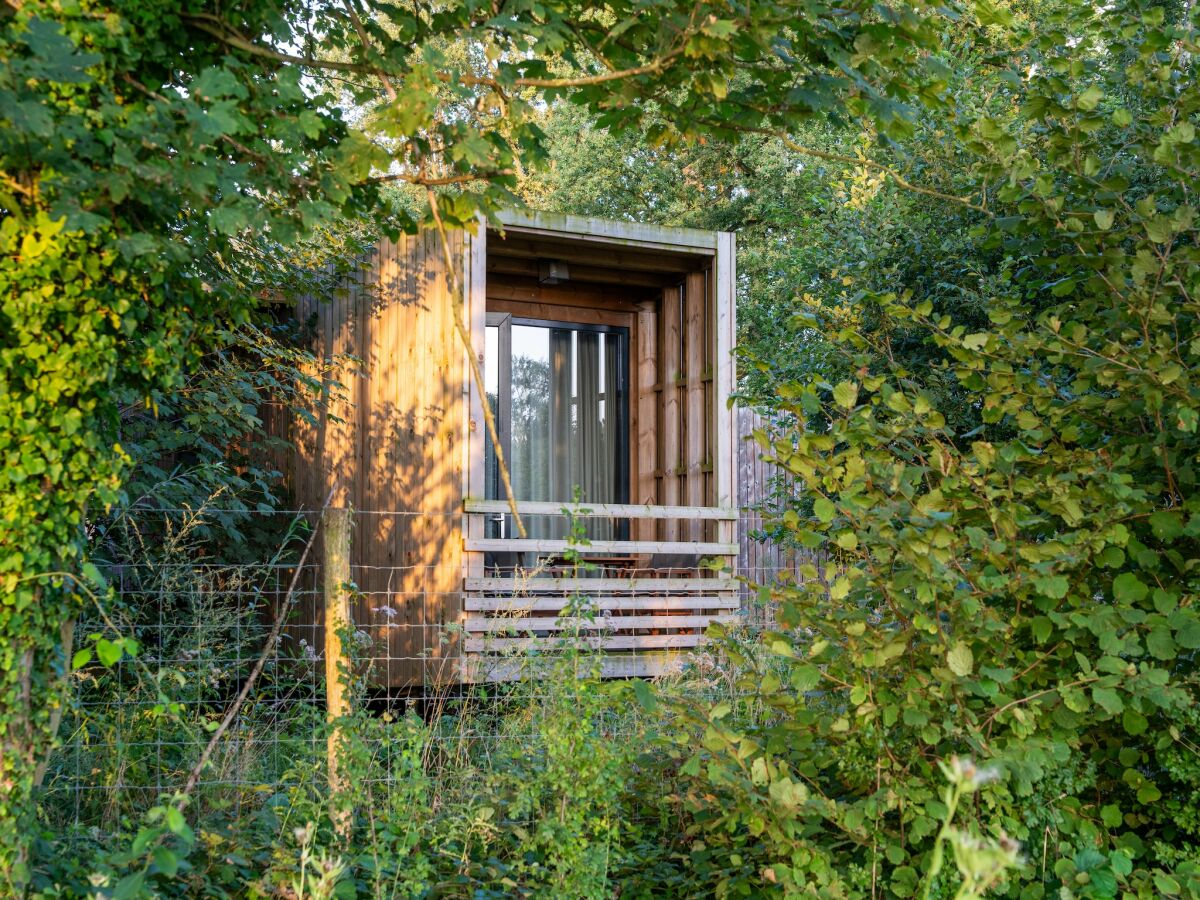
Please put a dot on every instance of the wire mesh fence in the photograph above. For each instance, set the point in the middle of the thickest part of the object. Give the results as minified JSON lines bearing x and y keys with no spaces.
{"x":437,"y":662}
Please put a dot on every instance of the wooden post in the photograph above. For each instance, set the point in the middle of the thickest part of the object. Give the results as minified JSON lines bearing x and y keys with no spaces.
{"x":670,"y":365}
{"x":647,"y":416}
{"x":725,"y":466}
{"x":695,"y":421}
{"x":337,"y":662}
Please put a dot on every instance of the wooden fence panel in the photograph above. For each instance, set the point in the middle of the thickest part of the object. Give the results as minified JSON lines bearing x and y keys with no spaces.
{"x":761,"y":562}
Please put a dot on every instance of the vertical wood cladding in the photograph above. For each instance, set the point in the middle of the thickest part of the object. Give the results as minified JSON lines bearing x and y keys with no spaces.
{"x":391,"y":448}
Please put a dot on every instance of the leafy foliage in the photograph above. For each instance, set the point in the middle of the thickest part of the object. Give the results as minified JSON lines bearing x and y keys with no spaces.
{"x":1022,"y":591}
{"x":114,"y":196}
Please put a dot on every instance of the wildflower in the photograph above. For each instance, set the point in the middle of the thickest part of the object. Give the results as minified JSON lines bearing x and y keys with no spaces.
{"x":384,"y":611}
{"x":963,"y":769}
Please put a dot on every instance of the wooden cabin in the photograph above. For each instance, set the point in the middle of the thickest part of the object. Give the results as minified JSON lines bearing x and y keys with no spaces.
{"x":605,"y":349}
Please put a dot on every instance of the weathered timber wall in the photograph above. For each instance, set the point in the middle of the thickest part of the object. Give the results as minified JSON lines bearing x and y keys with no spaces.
{"x":393,"y":448}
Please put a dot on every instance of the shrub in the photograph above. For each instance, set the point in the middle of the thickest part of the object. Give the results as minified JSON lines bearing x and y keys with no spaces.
{"x":1023,"y":592}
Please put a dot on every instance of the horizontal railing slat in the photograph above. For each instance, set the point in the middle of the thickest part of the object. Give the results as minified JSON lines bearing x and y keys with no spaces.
{"x":551,"y":585}
{"x":475,"y":668}
{"x":546,"y":545}
{"x":520,"y":625}
{"x":616,"y":642}
{"x":603,"y":510}
{"x":554,"y":604}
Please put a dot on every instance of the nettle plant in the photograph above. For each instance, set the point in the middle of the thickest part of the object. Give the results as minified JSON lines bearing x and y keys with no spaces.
{"x":1025,"y":592}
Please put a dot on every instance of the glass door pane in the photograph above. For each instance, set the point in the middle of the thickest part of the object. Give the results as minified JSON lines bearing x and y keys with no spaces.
{"x":566,"y":416}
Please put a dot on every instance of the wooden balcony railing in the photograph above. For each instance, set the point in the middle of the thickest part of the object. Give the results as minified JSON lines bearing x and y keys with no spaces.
{"x":608,"y":511}
{"x":603,"y":510}
{"x":643,"y":613}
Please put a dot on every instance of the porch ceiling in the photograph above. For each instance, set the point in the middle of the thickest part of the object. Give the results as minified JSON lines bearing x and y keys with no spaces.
{"x":591,"y":261}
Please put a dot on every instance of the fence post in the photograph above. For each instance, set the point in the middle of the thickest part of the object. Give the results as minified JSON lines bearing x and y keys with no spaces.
{"x":337,"y":662}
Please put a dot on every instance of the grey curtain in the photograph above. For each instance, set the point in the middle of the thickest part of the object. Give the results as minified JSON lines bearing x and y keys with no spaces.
{"x":592,"y":452}
{"x":564,"y":426}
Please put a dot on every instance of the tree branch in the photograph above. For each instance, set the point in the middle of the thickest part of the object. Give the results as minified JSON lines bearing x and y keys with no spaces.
{"x":458,"y":299}
{"x":441,"y":181}
{"x":218,"y":29}
{"x":366,"y":44}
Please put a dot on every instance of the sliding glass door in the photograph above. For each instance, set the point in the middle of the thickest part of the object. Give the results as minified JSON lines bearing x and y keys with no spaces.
{"x":560,"y":397}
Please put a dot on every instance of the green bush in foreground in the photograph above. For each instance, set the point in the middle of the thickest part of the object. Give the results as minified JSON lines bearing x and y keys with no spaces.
{"x":1026,"y":593}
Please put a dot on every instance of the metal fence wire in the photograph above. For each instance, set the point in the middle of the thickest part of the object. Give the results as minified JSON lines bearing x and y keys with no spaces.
{"x":209,"y":597}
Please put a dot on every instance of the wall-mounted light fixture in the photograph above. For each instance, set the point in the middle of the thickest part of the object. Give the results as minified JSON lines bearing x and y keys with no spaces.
{"x":552,"y":271}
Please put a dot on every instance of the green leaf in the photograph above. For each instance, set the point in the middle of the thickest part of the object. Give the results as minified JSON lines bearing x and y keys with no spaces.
{"x":1109,"y":699}
{"x":129,"y":887}
{"x":1159,"y":229}
{"x":228,"y":220}
{"x":216,"y":82}
{"x":1167,"y":885}
{"x":1103,"y":883}
{"x":1104,"y":219}
{"x":846,"y":394}
{"x":824,"y":509}
{"x":108,"y":651}
{"x":1148,"y":793}
{"x":1090,"y":98}
{"x":1121,"y":863}
{"x":787,"y":793}
{"x":1134,"y":722}
{"x":719,"y":28}
{"x":1165,"y":601}
{"x":1052,"y":586}
{"x":1166,"y":524}
{"x":1188,"y":634}
{"x":991,"y":13}
{"x":960,"y":660}
{"x":175,"y":820}
{"x":166,"y":861}
{"x":143,"y":839}
{"x":92,"y":574}
{"x":1160,"y":643}
{"x":645,"y":695}
{"x":1128,"y":588}
{"x":805,"y":677}
{"x":81,"y":658}
{"x":758,"y":772}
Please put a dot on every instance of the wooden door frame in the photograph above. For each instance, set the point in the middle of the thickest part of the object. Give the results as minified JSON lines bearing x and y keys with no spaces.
{"x":570,"y":315}
{"x":719,"y":245}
